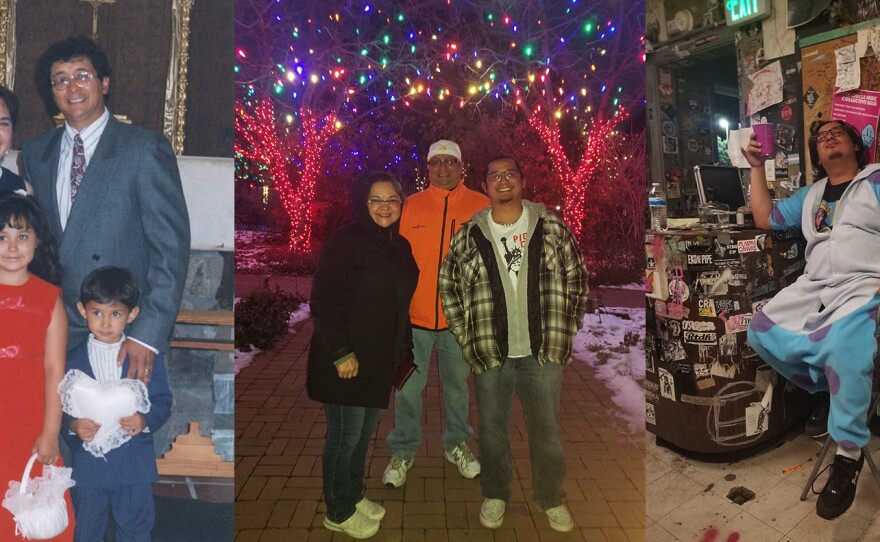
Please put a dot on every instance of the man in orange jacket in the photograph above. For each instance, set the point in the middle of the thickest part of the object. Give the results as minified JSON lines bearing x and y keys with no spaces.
{"x":430,"y":218}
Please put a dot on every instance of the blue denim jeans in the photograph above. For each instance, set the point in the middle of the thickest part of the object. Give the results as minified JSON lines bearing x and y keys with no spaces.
{"x":406,"y":436}
{"x":349,"y":430}
{"x":539,"y":389}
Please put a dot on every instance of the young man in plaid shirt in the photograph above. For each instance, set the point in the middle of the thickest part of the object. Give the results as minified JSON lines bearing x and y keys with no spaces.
{"x":514,"y":290}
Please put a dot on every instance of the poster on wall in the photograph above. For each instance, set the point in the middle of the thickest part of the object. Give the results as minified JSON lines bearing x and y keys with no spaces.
{"x":766,"y":88}
{"x":861,"y":108}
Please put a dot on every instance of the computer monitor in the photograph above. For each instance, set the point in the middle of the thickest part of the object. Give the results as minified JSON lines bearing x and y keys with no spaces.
{"x":721,"y":184}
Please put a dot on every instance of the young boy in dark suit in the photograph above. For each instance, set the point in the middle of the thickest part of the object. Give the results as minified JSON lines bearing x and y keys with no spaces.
{"x":117,"y":480}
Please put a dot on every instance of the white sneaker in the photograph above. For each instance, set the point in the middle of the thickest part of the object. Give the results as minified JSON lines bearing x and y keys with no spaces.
{"x":560,"y":518}
{"x":492,"y":513}
{"x":395,"y":472}
{"x":370,"y":509}
{"x":461,"y":457}
{"x":357,"y":526}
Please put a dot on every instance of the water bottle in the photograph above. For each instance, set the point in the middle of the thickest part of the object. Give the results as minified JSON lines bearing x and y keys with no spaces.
{"x":657,"y":207}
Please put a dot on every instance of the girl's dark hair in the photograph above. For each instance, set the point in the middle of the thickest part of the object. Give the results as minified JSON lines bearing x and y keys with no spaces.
{"x":11,"y":101}
{"x":22,"y":211}
{"x":851,"y":132}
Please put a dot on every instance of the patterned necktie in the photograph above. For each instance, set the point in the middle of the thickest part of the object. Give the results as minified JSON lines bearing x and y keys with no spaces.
{"x":77,"y":166}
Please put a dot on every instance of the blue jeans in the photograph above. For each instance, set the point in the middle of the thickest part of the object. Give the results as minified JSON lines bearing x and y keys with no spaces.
{"x":539,"y":389}
{"x":349,"y":430}
{"x":406,"y":436}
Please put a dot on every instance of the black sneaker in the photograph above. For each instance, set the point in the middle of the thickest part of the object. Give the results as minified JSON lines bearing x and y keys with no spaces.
{"x":840,"y":489}
{"x":817,"y":423}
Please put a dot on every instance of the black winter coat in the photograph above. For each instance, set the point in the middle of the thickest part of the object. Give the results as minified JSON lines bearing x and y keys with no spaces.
{"x":361,"y":293}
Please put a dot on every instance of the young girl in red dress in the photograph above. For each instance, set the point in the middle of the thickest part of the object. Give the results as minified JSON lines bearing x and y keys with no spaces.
{"x":33,"y":340}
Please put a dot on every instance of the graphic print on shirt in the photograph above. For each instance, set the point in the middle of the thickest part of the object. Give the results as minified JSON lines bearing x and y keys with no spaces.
{"x":513,"y":252}
{"x":513,"y":257}
{"x":825,"y":216}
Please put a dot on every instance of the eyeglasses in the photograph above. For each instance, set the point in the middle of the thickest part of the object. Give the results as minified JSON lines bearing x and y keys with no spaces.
{"x":81,"y":79}
{"x":510,"y":175}
{"x":437,"y":162}
{"x":376,"y":202}
{"x":823,"y":136}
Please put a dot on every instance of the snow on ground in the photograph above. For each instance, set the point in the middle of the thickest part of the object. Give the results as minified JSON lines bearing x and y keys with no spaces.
{"x":631,"y":286}
{"x":621,"y":367}
{"x":243,"y":359}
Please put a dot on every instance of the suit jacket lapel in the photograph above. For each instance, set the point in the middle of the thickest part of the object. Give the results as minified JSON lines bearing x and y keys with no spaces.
{"x":99,"y":174}
{"x":49,"y":173}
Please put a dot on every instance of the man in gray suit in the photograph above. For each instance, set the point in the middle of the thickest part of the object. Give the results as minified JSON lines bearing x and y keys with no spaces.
{"x":112,"y":195}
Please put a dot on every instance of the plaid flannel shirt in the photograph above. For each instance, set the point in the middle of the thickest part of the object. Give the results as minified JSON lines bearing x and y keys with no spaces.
{"x":470,"y":286}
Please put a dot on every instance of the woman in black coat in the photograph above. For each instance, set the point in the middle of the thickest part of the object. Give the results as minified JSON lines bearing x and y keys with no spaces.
{"x":361,"y":293}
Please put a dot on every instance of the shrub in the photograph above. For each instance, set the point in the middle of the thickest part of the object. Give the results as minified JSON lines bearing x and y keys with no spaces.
{"x":261,"y":317}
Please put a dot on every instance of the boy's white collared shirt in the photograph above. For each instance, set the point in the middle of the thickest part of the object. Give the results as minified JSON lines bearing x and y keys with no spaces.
{"x":102,"y":358}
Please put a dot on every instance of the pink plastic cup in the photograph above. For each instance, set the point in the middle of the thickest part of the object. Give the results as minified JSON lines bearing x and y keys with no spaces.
{"x":764,"y":135}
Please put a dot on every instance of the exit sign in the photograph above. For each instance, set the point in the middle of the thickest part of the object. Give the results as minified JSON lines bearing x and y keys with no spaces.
{"x":737,"y":12}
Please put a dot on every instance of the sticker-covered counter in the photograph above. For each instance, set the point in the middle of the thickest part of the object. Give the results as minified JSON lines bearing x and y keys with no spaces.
{"x":707,"y":392}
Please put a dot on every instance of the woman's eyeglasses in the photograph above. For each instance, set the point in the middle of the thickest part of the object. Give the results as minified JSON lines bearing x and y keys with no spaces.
{"x":376,"y":202}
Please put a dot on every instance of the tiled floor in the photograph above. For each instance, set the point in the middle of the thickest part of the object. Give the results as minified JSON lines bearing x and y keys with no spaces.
{"x":687,"y":499}
{"x":280,"y":437}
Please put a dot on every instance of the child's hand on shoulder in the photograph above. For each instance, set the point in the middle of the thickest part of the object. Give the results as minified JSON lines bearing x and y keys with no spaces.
{"x":46,"y":448}
{"x":134,"y":424}
{"x":84,"y":428}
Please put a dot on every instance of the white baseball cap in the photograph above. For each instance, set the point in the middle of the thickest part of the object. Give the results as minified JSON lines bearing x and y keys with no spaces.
{"x":444,"y":146}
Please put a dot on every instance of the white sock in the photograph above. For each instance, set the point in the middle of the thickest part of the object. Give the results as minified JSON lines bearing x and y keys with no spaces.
{"x":852,"y":453}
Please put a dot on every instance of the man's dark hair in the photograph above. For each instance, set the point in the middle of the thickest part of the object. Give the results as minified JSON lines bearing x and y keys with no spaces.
{"x":11,"y":101}
{"x":854,"y":136}
{"x":67,"y":50}
{"x":110,"y":285}
{"x":503,"y":157}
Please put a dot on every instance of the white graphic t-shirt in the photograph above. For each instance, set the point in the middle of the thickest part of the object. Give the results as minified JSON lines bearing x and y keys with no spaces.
{"x":510,"y":243}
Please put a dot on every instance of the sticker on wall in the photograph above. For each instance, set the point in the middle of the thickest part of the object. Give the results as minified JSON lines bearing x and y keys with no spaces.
{"x":653,"y":396}
{"x":650,"y":414}
{"x":757,"y":419}
{"x":671,"y":310}
{"x":699,"y":259}
{"x":697,"y":325}
{"x":811,"y":97}
{"x":670,"y":145}
{"x":726,"y":304}
{"x":673,"y":351}
{"x":667,"y":385}
{"x":757,"y":306}
{"x":735,"y":323}
{"x":703,"y":377}
{"x":735,"y":276}
{"x":786,"y":112}
{"x":673,"y":190}
{"x":747,"y":245}
{"x":727,"y":345}
{"x":669,"y":128}
{"x":678,"y":290}
{"x":699,"y":337}
{"x":792,"y":252}
{"x":698,"y":245}
{"x":706,"y":307}
{"x":710,"y":283}
{"x":673,"y":328}
{"x":692,"y":145}
{"x":682,"y":368}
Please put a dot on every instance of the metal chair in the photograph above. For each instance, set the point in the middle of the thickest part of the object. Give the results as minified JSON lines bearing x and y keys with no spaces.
{"x":829,"y":441}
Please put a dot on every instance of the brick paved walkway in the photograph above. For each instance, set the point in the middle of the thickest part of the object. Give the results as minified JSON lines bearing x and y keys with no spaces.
{"x":280,"y":438}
